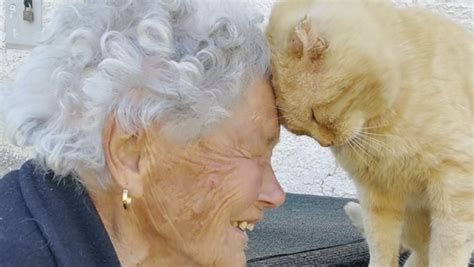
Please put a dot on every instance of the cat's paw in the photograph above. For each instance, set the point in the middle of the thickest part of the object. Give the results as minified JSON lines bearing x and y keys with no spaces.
{"x":354,"y":212}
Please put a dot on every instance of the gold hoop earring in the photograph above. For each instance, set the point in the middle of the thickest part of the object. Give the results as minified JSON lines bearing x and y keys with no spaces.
{"x":126,"y":200}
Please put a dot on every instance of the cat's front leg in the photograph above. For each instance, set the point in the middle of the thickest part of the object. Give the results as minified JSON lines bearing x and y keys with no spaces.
{"x":383,"y":223}
{"x":416,"y":236}
{"x":452,"y":222}
{"x":449,"y":245}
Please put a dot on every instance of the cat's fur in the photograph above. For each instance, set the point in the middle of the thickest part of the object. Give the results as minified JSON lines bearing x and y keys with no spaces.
{"x":391,"y":91}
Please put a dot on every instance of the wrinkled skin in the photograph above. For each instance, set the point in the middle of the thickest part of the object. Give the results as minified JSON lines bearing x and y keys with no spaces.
{"x":186,"y":196}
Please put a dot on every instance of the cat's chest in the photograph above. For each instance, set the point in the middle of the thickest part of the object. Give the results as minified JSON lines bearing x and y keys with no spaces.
{"x":407,"y":174}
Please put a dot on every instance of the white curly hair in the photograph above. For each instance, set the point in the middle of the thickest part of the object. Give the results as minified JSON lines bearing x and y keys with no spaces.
{"x":183,"y":62}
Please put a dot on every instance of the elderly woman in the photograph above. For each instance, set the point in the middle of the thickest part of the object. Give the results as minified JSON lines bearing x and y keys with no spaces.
{"x":153,"y":124}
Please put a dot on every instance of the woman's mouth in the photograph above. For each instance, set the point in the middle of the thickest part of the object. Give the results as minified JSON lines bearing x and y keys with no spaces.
{"x":241,"y":227}
{"x":244,"y":225}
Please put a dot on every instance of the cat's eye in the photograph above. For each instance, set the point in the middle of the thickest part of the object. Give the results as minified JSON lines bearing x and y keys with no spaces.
{"x":313,"y":116}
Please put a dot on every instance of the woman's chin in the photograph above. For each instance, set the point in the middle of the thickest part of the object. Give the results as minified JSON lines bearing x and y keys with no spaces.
{"x":242,"y":237}
{"x":234,"y":254}
{"x":237,"y":260}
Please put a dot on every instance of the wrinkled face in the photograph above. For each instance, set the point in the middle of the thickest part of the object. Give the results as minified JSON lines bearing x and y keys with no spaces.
{"x":199,"y":194}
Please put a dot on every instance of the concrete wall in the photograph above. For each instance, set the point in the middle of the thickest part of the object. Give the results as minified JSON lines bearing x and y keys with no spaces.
{"x":300,"y":164}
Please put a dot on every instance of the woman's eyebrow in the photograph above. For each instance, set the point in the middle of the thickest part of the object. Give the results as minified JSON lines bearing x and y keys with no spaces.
{"x":270,"y":141}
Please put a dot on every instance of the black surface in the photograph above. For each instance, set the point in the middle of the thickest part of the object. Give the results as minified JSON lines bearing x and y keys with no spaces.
{"x":307,"y":230}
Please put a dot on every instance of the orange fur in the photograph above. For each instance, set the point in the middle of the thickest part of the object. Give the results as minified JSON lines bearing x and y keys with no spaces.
{"x":391,"y":91}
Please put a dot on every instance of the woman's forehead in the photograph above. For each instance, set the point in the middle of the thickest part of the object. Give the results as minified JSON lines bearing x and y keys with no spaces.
{"x":257,"y":112}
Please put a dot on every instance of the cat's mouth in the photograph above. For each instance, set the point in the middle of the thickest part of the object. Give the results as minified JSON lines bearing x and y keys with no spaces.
{"x":320,"y":136}
{"x":333,"y":139}
{"x":324,"y":135}
{"x":321,"y":140}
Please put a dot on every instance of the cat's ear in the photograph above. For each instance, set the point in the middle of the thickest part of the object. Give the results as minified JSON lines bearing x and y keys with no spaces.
{"x":305,"y":41}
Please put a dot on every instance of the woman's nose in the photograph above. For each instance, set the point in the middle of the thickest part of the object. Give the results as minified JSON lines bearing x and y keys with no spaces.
{"x":271,"y":194}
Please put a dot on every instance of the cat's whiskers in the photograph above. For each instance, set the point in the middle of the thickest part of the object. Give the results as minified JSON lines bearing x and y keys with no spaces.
{"x":368,"y":145}
{"x":374,"y":141}
{"x":378,"y":135}
{"x":358,"y":142}
{"x":376,"y":126}
{"x":352,"y":146}
{"x":373,"y":146}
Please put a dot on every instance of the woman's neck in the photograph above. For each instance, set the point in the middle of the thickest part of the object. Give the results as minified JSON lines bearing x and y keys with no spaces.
{"x":133,"y":245}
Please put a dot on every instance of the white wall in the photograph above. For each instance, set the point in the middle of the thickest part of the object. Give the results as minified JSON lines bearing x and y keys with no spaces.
{"x":300,"y":164}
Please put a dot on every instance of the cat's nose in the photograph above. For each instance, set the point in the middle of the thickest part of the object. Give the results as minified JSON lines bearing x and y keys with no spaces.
{"x":325,"y":143}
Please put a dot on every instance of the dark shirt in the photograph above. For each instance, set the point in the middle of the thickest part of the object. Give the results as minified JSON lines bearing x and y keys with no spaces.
{"x":46,"y":223}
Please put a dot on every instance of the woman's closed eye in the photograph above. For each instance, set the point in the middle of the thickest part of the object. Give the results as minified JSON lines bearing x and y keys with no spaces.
{"x":248,"y":154}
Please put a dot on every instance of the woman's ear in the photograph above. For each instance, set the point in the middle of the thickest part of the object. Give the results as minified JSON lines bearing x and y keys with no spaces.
{"x":122,"y":154}
{"x":306,"y":41}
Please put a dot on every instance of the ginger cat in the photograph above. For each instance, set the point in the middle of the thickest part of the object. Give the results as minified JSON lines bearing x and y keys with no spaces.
{"x":391,"y":92}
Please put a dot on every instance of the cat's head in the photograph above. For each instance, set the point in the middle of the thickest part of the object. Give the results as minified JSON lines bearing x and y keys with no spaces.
{"x":329,"y":84}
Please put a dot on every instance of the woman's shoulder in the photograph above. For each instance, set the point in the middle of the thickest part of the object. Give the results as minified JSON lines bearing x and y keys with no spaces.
{"x":13,"y":209}
{"x":21,"y":240}
{"x":47,"y":221}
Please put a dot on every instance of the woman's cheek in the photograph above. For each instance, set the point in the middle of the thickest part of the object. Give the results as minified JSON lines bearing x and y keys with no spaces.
{"x":251,"y":177}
